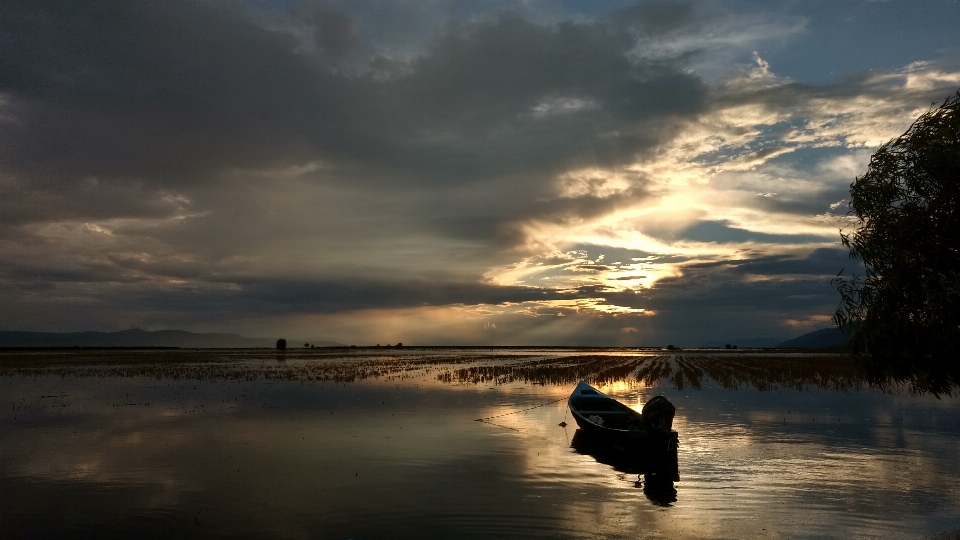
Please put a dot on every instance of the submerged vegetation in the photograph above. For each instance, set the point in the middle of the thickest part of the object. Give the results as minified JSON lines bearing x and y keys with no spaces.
{"x":681,"y":369}
{"x":762,"y":371}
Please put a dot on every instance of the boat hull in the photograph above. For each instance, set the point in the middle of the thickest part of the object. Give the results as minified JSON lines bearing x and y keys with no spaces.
{"x":602,"y":416}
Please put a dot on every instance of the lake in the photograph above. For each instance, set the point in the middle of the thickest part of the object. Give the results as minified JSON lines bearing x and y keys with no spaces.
{"x":385,"y":443}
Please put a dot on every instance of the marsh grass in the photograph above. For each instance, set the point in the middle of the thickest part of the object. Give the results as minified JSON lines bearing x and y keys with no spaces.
{"x":689,"y":370}
{"x":230,"y":364}
{"x":762,"y":370}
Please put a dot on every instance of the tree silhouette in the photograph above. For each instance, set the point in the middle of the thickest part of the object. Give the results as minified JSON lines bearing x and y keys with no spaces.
{"x":282,"y":344}
{"x":905,"y":311}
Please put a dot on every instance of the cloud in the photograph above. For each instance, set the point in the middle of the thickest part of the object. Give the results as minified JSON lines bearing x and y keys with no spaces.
{"x":202,"y":162}
{"x":335,"y":33}
{"x":166,"y":92}
{"x":811,"y":322}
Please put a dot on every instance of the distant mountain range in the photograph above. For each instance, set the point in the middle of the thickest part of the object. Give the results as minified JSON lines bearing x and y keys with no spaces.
{"x":818,"y":339}
{"x":136,"y":337}
{"x":747,"y":343}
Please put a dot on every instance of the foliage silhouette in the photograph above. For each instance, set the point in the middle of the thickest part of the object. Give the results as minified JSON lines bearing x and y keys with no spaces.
{"x":904,"y":313}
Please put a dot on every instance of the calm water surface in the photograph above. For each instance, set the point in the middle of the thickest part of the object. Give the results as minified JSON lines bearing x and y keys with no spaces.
{"x":378,"y":444}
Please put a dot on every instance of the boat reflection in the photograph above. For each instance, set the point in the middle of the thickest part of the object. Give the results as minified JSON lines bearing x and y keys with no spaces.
{"x":656,"y":471}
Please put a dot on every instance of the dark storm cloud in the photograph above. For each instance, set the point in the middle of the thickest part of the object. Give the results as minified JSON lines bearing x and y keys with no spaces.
{"x":797,"y":296}
{"x":721,"y":232}
{"x":178,"y":88}
{"x":819,"y":262}
{"x":172,"y":94}
{"x":275,"y":296}
{"x":511,"y":98}
{"x":658,"y":16}
{"x":166,"y":89}
{"x":723,"y":300}
{"x":789,"y":283}
{"x":25,"y":201}
{"x":488,"y":73}
{"x":118,"y":277}
{"x":335,"y":33}
{"x":345,"y":295}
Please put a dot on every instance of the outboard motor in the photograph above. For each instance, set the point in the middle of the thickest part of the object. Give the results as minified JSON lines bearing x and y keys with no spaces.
{"x":658,"y":413}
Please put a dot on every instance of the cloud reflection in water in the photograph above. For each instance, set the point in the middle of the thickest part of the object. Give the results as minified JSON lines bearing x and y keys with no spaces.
{"x":190,"y":444}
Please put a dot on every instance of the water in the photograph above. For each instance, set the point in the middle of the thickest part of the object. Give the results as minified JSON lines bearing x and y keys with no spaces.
{"x":385,"y":444}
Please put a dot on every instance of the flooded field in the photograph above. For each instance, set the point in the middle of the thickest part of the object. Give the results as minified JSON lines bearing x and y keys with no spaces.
{"x":385,"y":443}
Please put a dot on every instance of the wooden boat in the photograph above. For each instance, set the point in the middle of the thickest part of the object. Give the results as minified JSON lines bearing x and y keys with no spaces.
{"x":603,"y":416}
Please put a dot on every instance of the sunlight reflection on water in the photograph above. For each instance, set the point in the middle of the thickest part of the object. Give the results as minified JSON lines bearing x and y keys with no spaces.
{"x":385,"y":445}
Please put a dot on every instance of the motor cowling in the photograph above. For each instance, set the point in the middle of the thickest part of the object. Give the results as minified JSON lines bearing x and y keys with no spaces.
{"x":658,"y":413}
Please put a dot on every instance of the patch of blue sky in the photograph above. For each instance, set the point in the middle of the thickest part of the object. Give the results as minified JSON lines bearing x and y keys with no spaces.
{"x":841,"y":38}
{"x":807,"y":157}
{"x":722,"y":233}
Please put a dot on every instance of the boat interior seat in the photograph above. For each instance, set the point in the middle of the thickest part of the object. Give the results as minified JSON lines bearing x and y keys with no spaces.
{"x":614,"y":420}
{"x":596,"y":405}
{"x":614,"y":415}
{"x":600,"y":406}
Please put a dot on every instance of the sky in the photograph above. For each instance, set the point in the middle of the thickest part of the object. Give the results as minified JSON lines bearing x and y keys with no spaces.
{"x":448,"y":172}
